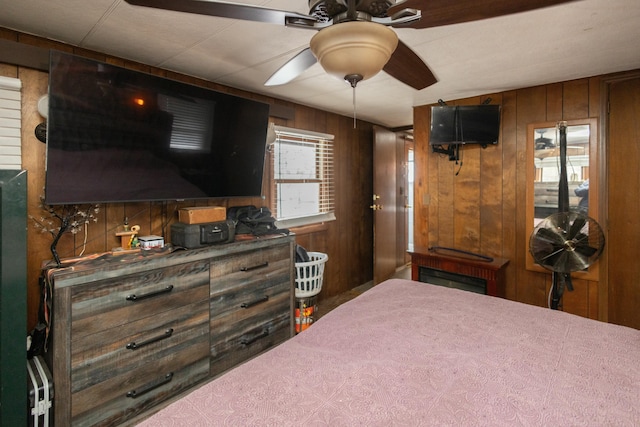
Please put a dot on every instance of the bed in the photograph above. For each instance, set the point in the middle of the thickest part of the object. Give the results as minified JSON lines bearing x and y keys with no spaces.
{"x":407,"y":353}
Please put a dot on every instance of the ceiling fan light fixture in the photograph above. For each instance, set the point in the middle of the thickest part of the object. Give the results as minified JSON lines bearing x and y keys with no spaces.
{"x":354,"y":48}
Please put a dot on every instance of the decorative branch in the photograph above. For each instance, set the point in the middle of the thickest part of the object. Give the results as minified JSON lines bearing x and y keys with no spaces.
{"x":59,"y":219}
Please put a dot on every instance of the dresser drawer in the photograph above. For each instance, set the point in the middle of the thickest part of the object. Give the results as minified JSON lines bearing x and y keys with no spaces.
{"x":252,"y":264}
{"x":234,"y":341}
{"x":250,"y":305}
{"x":143,"y":389}
{"x":109,"y":303}
{"x":122,"y":350}
{"x":108,"y":365}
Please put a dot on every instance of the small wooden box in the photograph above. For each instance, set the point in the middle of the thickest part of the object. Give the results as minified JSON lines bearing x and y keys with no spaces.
{"x":202,"y":214}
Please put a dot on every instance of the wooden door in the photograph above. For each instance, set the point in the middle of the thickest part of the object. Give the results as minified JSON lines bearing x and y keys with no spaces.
{"x":623,"y":240}
{"x":384,"y":204}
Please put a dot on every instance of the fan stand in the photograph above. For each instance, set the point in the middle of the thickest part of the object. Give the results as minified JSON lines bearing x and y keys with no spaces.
{"x":559,"y":280}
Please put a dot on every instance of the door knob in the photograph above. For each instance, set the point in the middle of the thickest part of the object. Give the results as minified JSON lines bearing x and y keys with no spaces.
{"x":376,"y":207}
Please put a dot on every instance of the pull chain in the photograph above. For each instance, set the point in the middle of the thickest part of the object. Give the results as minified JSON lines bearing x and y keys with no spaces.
{"x":354,"y":107}
{"x":353,"y":80}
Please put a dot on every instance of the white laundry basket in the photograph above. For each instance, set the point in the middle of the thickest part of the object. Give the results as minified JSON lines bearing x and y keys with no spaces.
{"x":309,"y":275}
{"x":308,"y":285}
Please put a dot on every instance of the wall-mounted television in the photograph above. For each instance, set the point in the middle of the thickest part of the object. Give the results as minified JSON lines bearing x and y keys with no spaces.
{"x":119,"y":135}
{"x":465,"y":124}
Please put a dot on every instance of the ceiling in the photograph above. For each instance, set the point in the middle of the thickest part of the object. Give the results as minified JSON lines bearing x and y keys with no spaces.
{"x":574,"y":40}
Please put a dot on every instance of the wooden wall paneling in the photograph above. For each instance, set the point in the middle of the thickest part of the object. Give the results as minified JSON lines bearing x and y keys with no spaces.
{"x":491,"y":196}
{"x":594,"y":96}
{"x":309,"y":119}
{"x":594,"y":300}
{"x":8,"y":70}
{"x":466,"y":199}
{"x":431,"y":186}
{"x":623,"y":192}
{"x":44,"y":43}
{"x":167,"y":215}
{"x":34,"y":85}
{"x":113,"y":217}
{"x":8,"y":34}
{"x":332,"y":246}
{"x":427,"y":181}
{"x":554,"y":102}
{"x":583,"y":301}
{"x":158,"y":219}
{"x":464,"y":196}
{"x":575,"y":99}
{"x":509,"y":150}
{"x":531,"y":108}
{"x":90,"y":239}
{"x":445,"y":203}
{"x":577,"y":301}
{"x":90,"y":54}
{"x":421,"y":218}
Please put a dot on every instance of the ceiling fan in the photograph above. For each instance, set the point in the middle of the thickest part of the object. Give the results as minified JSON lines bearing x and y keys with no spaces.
{"x":347,"y":25}
{"x":542,"y":142}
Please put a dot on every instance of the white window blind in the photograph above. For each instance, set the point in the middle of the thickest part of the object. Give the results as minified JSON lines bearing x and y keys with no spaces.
{"x":303,"y":177}
{"x":10,"y":123}
{"x":192,"y":125}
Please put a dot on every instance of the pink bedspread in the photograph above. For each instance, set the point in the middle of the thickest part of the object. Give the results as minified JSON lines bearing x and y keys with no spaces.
{"x":408,"y":354}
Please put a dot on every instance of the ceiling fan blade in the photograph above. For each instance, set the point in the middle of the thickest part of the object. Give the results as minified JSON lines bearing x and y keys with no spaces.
{"x":435,"y":13}
{"x":293,"y":68}
{"x":225,"y":10}
{"x":406,"y":66}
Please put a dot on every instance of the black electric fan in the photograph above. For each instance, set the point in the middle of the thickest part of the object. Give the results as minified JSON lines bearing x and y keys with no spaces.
{"x":565,"y":241}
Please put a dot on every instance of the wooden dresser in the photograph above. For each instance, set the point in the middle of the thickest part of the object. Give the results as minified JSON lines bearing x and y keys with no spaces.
{"x":131,"y":331}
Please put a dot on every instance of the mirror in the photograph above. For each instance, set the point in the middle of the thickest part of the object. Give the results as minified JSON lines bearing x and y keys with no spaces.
{"x":543,"y":173}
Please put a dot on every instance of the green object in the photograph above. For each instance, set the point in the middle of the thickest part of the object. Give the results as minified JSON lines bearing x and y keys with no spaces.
{"x":13,"y":298}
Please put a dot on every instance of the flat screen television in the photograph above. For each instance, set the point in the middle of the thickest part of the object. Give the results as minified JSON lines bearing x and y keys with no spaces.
{"x":465,"y":124}
{"x":119,"y":135}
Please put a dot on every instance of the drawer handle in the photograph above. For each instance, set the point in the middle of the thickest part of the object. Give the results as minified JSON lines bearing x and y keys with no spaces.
{"x":250,"y":341}
{"x":134,"y":345}
{"x":256,"y":302}
{"x":151,"y":386}
{"x":134,"y":297}
{"x":255,"y":267}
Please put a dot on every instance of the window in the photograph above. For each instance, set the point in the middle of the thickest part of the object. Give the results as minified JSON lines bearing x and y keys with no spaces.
{"x":10,"y":123}
{"x":303,"y":191}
